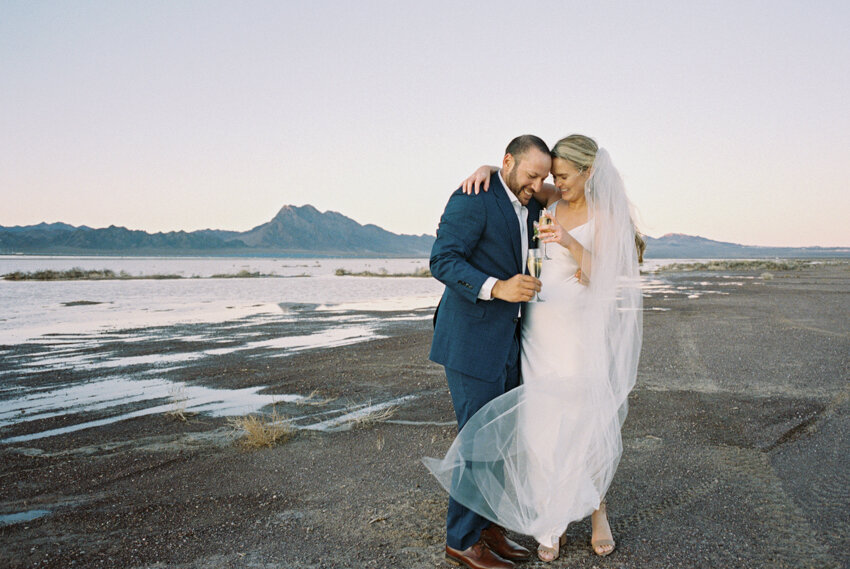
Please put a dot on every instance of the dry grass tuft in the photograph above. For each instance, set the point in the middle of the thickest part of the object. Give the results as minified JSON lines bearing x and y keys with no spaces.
{"x":374,"y":417}
{"x":179,"y":415}
{"x":178,"y":405}
{"x":315,"y":399}
{"x":257,"y":431}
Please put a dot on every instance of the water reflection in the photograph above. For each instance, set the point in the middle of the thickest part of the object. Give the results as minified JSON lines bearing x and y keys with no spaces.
{"x":163,"y":396}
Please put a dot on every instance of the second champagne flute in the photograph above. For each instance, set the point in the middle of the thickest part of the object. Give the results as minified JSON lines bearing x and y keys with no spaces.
{"x":543,"y":220}
{"x":535,"y":265}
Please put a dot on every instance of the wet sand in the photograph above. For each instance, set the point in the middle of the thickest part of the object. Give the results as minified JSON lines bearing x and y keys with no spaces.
{"x":736,"y":453}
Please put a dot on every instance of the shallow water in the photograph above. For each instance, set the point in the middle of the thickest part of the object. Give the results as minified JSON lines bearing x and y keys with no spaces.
{"x":162,"y":396}
{"x":31,"y":309}
{"x":106,"y":351}
{"x":207,"y":266}
{"x":18,"y":517}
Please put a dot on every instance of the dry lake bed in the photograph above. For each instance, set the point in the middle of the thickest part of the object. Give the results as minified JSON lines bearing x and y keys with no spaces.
{"x":118,"y":449}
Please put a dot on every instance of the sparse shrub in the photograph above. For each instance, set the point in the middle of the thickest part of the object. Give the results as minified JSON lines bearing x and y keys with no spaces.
{"x":315,"y":399}
{"x":420,"y":272}
{"x":178,"y":405}
{"x":374,"y":417}
{"x":257,"y":431}
{"x":243,"y":274}
{"x":740,"y":265}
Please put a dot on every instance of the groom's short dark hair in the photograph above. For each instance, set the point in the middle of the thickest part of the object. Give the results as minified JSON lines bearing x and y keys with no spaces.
{"x":521,"y":144}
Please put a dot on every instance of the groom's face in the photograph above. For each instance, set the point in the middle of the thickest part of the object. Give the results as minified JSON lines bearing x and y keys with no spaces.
{"x":524,"y":173}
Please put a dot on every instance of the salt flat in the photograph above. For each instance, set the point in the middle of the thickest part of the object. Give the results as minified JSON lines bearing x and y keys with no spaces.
{"x":736,"y":444}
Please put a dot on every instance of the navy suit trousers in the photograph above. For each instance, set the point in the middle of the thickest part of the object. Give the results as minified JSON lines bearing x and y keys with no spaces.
{"x":469,"y":394}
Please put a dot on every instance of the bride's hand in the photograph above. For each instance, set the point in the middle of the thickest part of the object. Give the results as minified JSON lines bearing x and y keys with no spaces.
{"x":475,"y":181}
{"x":552,"y":232}
{"x":581,"y":278}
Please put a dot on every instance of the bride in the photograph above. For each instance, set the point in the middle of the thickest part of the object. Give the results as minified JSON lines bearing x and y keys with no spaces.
{"x":544,"y":454}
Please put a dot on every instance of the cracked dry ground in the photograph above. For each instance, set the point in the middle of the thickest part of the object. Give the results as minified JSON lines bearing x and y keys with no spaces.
{"x":735,"y":455}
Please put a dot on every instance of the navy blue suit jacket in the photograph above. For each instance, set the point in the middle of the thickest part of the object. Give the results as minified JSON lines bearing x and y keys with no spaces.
{"x":478,"y":237}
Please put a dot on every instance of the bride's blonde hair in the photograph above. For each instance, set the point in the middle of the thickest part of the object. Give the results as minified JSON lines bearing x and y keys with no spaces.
{"x":581,"y":150}
{"x":576,"y":148}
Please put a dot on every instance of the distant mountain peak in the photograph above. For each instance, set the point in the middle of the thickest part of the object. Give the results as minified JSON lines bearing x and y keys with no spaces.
{"x":298,"y":208}
{"x":305,"y":228}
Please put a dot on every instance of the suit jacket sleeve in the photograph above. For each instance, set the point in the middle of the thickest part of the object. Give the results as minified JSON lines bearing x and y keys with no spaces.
{"x":460,"y":229}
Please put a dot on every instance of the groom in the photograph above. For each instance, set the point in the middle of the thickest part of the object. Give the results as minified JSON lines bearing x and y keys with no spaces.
{"x":480,"y":254}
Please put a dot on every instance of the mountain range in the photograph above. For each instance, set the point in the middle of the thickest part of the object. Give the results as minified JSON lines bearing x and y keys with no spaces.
{"x":679,"y":246}
{"x":294,"y":231}
{"x":305,"y":231}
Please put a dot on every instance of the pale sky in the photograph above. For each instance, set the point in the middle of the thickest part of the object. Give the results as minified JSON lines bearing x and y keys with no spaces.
{"x":727,"y":119}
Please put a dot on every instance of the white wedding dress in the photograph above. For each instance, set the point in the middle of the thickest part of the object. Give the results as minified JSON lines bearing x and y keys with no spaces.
{"x":544,"y":454}
{"x":556,"y":426}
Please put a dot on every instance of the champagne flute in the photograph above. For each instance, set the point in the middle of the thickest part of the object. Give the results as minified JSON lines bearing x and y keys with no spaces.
{"x":535,"y":265}
{"x":543,"y":221}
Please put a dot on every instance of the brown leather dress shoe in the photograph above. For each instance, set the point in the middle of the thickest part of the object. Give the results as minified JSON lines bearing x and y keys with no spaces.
{"x":478,"y":556}
{"x":495,"y":538}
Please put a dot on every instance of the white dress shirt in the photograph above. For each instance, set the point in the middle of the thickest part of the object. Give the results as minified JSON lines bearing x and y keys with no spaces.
{"x":486,"y":292}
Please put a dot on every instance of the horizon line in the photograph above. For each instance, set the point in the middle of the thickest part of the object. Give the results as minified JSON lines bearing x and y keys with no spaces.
{"x":668,"y":234}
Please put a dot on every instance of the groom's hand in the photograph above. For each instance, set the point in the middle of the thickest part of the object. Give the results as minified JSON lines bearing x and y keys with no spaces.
{"x":518,"y":288}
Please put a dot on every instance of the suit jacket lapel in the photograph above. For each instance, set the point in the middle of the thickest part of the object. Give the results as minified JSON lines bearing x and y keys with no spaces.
{"x":509,"y":213}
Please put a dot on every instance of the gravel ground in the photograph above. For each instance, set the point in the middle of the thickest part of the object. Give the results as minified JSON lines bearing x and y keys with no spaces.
{"x":736,"y":454}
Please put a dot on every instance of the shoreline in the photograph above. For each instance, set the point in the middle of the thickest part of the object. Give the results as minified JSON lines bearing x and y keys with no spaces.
{"x":736,"y":265}
{"x":109,"y":275}
{"x":735,"y":447}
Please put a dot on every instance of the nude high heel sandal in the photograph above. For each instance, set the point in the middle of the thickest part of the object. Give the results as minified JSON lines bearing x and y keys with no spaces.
{"x":600,"y":545}
{"x":549,"y":554}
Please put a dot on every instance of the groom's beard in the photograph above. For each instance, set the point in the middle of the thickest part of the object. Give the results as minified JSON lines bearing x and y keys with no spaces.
{"x":515,"y":188}
{"x":510,"y":180}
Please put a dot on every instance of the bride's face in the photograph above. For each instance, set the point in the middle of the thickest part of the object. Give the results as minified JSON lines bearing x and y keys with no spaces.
{"x":569,"y":179}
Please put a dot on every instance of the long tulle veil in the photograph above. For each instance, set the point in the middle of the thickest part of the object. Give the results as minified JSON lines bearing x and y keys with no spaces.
{"x":544,"y":454}
{"x":615,"y":302}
